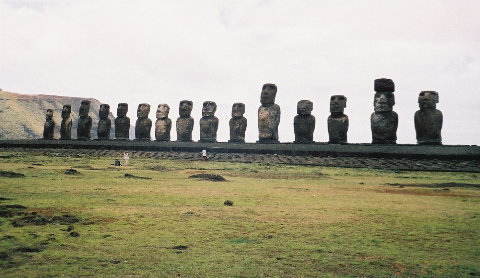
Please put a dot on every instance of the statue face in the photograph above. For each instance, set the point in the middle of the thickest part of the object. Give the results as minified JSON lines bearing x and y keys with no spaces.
{"x":66,"y":110}
{"x":84,"y":109}
{"x":143,"y":110}
{"x":162,"y":111}
{"x":304,"y":107}
{"x":238,"y":109}
{"x":384,"y":101}
{"x":209,"y":108}
{"x":427,"y":99}
{"x":269,"y":91}
{"x":338,"y":104}
{"x":49,"y":115}
{"x":104,"y":110}
{"x":185,"y":108}
{"x":122,"y":110}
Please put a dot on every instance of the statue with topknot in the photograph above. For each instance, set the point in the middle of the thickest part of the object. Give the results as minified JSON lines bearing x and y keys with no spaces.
{"x":384,"y":121}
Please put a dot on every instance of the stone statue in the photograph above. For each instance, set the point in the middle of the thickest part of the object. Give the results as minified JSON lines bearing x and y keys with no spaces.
{"x":268,"y":115}
{"x":49,"y":126}
{"x":384,"y":121}
{"x":104,"y":124}
{"x":185,"y":122}
{"x":84,"y":122}
{"x":428,"y":120}
{"x":238,"y":123}
{"x":66,"y":125}
{"x":143,"y":126}
{"x":122,"y":122}
{"x":163,"y":125}
{"x":337,"y":121}
{"x":304,"y":122}
{"x":208,"y":123}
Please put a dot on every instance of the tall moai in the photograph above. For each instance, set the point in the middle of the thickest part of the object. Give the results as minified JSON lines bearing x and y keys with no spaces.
{"x":337,"y":121}
{"x":49,"y":125}
{"x":104,"y":123}
{"x":66,"y":125}
{"x":143,"y":126}
{"x":238,"y":123}
{"x":268,"y":115}
{"x":163,"y":125}
{"x":304,"y":122}
{"x":208,"y":123}
{"x":428,"y":120}
{"x":384,"y":121}
{"x":185,"y":122}
{"x":122,"y":122}
{"x":84,"y":122}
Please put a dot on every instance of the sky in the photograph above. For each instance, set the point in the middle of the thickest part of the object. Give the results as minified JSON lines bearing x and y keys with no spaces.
{"x":224,"y":51}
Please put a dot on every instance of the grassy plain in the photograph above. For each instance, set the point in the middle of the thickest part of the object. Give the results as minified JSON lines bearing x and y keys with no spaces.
{"x":286,"y":220}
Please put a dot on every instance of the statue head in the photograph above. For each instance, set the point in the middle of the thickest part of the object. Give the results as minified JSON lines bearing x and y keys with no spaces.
{"x":143,"y":110}
{"x":304,"y":107}
{"x":338,"y":103}
{"x":122,"y":109}
{"x":49,"y":115}
{"x":269,"y":91}
{"x":209,"y":108}
{"x":66,"y":110}
{"x":384,"y":101}
{"x":185,"y":108}
{"x":427,"y":99}
{"x":162,"y":111}
{"x":84,"y":108}
{"x":104,"y":111}
{"x":238,"y":109}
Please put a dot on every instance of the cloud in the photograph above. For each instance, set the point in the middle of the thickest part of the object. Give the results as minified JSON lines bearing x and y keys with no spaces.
{"x":163,"y":52}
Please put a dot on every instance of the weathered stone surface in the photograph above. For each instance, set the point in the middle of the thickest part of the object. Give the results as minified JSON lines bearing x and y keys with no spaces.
{"x":163,"y":125}
{"x":337,"y":121}
{"x":384,"y":122}
{"x":208,"y":123}
{"x":268,"y":115}
{"x":104,"y":123}
{"x":49,"y":126}
{"x":304,"y":122}
{"x":84,"y":122}
{"x":143,"y":126}
{"x":238,"y":123}
{"x":66,"y":125}
{"x":122,"y":122}
{"x":185,"y":121}
{"x":428,"y":120}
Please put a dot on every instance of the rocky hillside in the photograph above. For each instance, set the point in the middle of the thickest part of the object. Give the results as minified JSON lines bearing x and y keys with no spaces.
{"x":23,"y":116}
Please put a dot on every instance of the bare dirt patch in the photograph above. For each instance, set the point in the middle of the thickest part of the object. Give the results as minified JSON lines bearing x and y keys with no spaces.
{"x":130,"y":176}
{"x":10,"y":174}
{"x":436,"y":185}
{"x":208,"y":177}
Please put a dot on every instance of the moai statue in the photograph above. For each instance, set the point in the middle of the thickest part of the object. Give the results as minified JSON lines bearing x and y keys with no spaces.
{"x":428,"y":120}
{"x":49,"y":126}
{"x":185,"y":122}
{"x":337,"y":121}
{"x":268,"y":115}
{"x":122,"y":122}
{"x":84,"y":122}
{"x":163,"y":125}
{"x":238,"y":123}
{"x":104,"y":124}
{"x":143,"y":126}
{"x":304,"y":122}
{"x":66,"y":125}
{"x":384,"y":121}
{"x":208,"y":123}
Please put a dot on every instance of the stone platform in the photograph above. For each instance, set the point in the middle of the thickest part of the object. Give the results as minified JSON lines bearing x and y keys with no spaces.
{"x":389,"y":157}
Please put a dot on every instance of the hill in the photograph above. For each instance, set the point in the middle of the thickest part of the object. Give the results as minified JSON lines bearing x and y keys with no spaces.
{"x":22,"y":116}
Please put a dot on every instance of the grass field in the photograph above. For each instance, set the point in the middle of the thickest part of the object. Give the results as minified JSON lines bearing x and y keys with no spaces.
{"x":286,"y":221}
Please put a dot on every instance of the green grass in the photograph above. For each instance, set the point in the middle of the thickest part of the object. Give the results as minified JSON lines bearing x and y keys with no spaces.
{"x":286,"y":221}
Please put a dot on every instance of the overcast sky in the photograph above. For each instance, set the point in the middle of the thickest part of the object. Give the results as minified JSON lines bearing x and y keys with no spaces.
{"x":224,"y":51}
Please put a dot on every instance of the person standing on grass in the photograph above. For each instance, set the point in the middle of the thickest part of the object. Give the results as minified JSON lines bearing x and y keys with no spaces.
{"x":204,"y":154}
{"x":126,"y":157}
